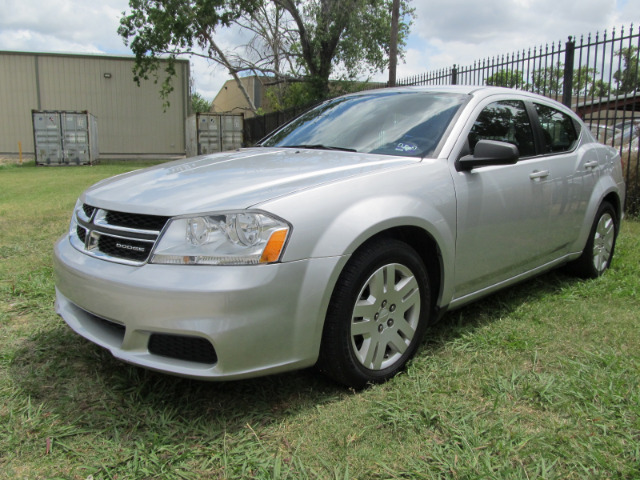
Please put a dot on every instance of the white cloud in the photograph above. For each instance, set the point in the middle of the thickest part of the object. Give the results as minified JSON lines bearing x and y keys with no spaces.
{"x":516,"y":23}
{"x":62,"y":25}
{"x":628,"y":12}
{"x":463,"y":31}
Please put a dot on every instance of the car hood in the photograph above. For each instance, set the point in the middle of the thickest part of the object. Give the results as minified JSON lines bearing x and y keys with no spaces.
{"x":235,"y":180}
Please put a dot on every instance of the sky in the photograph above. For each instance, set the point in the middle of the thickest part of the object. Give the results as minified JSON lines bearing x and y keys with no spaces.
{"x":444,"y":32}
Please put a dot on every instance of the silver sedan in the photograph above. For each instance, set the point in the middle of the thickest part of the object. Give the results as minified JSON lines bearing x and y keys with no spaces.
{"x":336,"y":240}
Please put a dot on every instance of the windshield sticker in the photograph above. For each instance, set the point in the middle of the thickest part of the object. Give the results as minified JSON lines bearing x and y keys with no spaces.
{"x":406,"y":147}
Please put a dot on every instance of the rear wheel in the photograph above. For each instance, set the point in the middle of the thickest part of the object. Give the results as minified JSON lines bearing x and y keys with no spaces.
{"x":378,"y":313}
{"x":598,"y":253}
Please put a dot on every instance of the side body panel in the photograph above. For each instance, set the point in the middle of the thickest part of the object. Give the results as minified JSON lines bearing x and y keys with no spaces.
{"x":352,"y":213}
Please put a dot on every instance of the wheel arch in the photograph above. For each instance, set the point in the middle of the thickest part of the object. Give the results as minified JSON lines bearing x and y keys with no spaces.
{"x":427,"y":248}
{"x":430,"y":247}
{"x":604,"y":192}
{"x":614,"y":199}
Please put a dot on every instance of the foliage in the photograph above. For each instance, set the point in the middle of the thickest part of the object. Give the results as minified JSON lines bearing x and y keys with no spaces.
{"x":628,"y":79}
{"x":288,"y":95}
{"x":354,"y":36}
{"x":199,"y":104}
{"x":538,"y":381}
{"x":301,"y":94}
{"x":308,"y":40}
{"x":155,"y":29}
{"x":600,"y":88}
{"x":584,"y":83}
{"x":550,"y":81}
{"x":506,"y":78}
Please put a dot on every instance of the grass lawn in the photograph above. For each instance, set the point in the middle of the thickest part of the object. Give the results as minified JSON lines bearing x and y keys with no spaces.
{"x":539,"y":381}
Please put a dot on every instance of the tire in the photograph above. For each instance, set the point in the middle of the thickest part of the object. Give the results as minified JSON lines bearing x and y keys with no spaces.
{"x":377,"y":315}
{"x":598,"y":252}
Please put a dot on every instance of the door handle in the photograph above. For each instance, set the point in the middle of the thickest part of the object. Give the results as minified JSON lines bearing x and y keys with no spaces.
{"x":591,"y":164}
{"x":538,"y":174}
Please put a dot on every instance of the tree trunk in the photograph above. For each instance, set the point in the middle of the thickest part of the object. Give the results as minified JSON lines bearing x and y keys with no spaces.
{"x":393,"y":44}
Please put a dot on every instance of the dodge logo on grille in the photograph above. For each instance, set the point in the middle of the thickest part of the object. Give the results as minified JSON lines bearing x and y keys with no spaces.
{"x":130,"y":247}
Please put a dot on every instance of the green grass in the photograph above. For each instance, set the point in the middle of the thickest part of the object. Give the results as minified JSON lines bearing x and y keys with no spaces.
{"x":539,"y":381}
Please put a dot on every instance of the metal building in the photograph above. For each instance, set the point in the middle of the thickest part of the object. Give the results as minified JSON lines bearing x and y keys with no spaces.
{"x":131,"y":120}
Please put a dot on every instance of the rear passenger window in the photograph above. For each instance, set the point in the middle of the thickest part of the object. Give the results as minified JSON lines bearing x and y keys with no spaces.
{"x":505,"y":121}
{"x":558,"y":129}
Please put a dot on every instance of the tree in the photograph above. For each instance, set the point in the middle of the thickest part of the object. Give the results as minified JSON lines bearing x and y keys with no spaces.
{"x":271,"y":47}
{"x":628,"y":79}
{"x":584,"y":83}
{"x":157,"y":28}
{"x":600,"y":88}
{"x":548,"y":80}
{"x":199,"y":104}
{"x":294,"y":40}
{"x":288,"y":95}
{"x":270,"y":53}
{"x":505,"y":78}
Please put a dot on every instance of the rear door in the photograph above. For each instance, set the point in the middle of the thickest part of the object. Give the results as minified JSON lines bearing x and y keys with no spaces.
{"x":572,"y":171}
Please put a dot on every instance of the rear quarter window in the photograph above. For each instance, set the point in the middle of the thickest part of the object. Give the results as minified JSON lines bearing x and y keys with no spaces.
{"x":559,"y":130}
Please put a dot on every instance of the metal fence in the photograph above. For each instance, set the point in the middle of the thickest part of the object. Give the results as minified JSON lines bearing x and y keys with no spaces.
{"x":256,"y":128}
{"x":597,"y":76}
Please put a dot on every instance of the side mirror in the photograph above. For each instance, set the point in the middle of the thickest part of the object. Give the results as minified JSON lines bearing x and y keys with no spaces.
{"x":489,"y":153}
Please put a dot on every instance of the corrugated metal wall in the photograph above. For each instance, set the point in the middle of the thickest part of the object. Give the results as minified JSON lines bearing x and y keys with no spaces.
{"x":18,"y":95}
{"x":130,"y":119}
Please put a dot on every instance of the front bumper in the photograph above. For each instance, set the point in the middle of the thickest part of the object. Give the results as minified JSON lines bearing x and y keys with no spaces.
{"x":260,"y":319}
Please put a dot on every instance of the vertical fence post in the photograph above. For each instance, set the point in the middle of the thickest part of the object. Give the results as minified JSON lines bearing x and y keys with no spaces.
{"x":454,"y":75}
{"x":569,"y":55}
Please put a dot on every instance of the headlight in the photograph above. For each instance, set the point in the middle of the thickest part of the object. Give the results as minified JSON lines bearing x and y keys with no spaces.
{"x":244,"y":238}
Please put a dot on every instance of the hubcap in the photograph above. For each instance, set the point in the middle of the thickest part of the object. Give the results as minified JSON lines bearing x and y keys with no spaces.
{"x":385,"y":316}
{"x":603,"y":242}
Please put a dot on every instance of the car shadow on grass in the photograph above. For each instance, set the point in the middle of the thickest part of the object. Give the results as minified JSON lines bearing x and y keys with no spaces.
{"x":83,"y":384}
{"x":465,"y":320}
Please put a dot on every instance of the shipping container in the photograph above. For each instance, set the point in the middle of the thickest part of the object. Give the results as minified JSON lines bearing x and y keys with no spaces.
{"x":47,"y":138}
{"x":232,"y":128}
{"x":213,"y":132}
{"x":65,"y":138}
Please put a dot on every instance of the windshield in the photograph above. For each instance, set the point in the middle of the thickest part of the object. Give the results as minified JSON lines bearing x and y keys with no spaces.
{"x":407,"y":123}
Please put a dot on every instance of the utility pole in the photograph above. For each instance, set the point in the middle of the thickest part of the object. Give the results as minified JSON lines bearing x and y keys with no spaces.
{"x":393,"y":44}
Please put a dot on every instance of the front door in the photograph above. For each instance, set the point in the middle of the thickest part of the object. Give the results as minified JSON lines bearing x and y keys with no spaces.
{"x":503,"y":211}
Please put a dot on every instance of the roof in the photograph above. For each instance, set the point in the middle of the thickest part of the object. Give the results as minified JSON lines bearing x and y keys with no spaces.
{"x":81,"y":55}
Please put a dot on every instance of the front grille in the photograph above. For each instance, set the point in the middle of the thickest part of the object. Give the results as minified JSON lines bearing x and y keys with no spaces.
{"x":82,"y":233}
{"x":116,"y":236}
{"x":88,"y":210}
{"x":128,"y":249}
{"x":137,"y":221}
{"x":192,"y":349}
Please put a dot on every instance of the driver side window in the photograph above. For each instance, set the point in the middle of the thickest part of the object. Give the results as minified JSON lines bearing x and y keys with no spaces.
{"x":504,"y":121}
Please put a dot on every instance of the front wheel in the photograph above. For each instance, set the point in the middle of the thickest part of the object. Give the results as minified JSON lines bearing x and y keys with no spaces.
{"x":598,"y":253}
{"x":377,"y":315}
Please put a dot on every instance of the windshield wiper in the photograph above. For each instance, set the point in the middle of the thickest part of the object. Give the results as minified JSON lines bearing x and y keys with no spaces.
{"x":321,"y":147}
